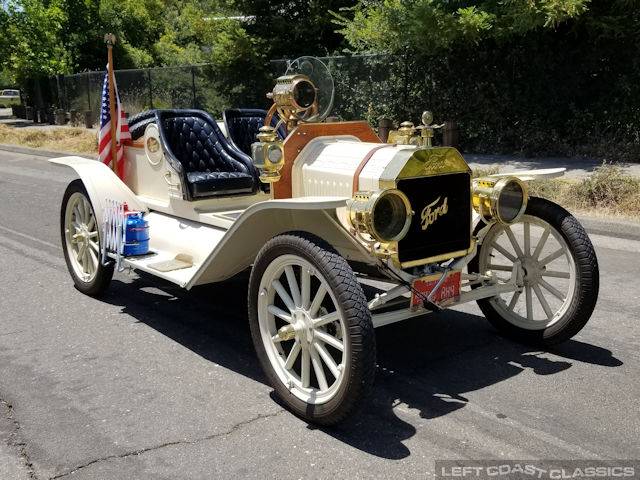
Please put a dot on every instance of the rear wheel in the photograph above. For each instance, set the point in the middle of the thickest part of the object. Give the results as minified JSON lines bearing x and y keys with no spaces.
{"x":311,"y":327}
{"x":560,"y":281}
{"x":81,"y":242}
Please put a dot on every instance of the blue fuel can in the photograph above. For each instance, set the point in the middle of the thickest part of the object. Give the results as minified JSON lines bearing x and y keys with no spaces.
{"x":136,"y":234}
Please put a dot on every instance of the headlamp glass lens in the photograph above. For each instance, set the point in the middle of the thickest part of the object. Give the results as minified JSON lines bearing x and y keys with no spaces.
{"x":510,"y":201}
{"x":304,"y":94}
{"x":389,"y":216}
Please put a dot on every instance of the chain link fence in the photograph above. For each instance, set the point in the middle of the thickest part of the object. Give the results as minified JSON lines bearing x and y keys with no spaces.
{"x":366,"y":87}
{"x":490,"y":102}
{"x":195,"y":86}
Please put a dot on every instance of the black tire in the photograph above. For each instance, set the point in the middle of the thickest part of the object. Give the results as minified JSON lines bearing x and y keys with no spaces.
{"x":93,"y":283}
{"x":138,"y":129}
{"x":579,"y":307}
{"x":137,"y":117}
{"x":358,"y":368}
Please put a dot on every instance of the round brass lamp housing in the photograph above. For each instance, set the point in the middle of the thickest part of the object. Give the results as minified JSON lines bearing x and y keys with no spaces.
{"x":385,"y":215}
{"x":503,"y":199}
{"x":296,"y":93}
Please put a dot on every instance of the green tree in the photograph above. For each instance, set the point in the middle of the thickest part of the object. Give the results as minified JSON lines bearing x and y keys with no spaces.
{"x":7,"y":78}
{"x":82,"y":33}
{"x":32,"y":30}
{"x":554,"y":77}
{"x":4,"y":39}
{"x":137,"y":26}
{"x":430,"y":25}
{"x":291,"y":28}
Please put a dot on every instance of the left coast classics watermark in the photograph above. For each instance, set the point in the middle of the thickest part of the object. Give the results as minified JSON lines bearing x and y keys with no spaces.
{"x":542,"y":469}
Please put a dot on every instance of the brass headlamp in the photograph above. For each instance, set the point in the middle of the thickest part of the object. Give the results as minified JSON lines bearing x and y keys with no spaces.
{"x":295,"y":98}
{"x":503,"y":199}
{"x":268,"y":154}
{"x":295,"y":92}
{"x":384,"y":215}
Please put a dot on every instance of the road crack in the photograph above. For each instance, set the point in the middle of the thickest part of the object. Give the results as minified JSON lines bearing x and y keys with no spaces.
{"x":132,"y":453}
{"x":14,"y":440}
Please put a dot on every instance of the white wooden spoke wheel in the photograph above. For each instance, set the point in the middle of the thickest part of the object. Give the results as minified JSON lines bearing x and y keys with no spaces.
{"x":549,"y":271}
{"x":302,"y":329}
{"x":82,"y":237}
{"x":311,"y":327}
{"x":80,"y":241}
{"x":559,"y":281}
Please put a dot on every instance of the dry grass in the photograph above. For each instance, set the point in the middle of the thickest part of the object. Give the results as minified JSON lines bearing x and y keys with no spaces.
{"x":607,"y":192}
{"x":74,"y":140}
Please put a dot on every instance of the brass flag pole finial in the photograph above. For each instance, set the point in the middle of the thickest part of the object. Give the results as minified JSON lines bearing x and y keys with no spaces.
{"x":110,"y":40}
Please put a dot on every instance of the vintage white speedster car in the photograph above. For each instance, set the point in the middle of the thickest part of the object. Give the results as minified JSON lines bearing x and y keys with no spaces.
{"x":316,"y":209}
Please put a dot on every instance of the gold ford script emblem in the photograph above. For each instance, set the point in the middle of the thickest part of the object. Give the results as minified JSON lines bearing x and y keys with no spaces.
{"x":433,"y":211}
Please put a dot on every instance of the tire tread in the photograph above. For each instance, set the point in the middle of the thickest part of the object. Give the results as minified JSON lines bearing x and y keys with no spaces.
{"x":587,"y":272}
{"x":103,"y":278}
{"x":357,"y":316}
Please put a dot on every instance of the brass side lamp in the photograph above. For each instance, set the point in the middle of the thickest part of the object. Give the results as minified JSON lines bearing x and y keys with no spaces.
{"x":268,"y":154}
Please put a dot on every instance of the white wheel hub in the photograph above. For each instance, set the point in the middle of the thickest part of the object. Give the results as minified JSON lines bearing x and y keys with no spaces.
{"x":532,"y":270}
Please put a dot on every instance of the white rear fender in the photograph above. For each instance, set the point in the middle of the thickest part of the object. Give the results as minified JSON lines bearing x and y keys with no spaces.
{"x":101,"y":184}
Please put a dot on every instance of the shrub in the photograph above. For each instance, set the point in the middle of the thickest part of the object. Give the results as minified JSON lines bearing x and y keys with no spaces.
{"x":609,"y":186}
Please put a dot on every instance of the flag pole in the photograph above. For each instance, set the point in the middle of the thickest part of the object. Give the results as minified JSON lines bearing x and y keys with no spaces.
{"x":110,"y":40}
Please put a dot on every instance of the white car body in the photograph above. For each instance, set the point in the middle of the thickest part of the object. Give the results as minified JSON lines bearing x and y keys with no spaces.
{"x":223,"y":235}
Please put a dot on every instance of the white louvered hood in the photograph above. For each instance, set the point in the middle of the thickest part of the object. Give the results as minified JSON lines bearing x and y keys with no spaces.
{"x":327,"y":166}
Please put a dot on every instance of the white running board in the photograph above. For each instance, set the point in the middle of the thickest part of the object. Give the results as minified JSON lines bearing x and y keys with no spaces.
{"x":172,"y":238}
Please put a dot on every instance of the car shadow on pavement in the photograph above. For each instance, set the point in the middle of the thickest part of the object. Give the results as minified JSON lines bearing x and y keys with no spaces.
{"x":210,"y":320}
{"x":430,"y":364}
{"x":426,"y":364}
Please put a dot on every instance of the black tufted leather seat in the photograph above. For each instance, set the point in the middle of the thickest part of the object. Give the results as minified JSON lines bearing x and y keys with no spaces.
{"x":206,"y":162}
{"x":243,"y":126}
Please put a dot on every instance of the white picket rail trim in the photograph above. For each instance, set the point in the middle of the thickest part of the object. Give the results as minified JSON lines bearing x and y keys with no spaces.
{"x":114,"y":231}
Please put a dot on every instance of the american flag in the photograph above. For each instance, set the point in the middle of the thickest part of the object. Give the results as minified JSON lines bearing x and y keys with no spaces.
{"x":122,"y":128}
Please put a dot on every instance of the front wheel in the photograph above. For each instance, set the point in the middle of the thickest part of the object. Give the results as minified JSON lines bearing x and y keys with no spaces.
{"x":311,"y":327}
{"x":560,"y":274}
{"x":81,"y":241}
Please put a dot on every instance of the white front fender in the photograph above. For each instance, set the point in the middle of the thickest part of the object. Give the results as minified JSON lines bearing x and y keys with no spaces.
{"x":526,"y":175}
{"x":262,"y":221}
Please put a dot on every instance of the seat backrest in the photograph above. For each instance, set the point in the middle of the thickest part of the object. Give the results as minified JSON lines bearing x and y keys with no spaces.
{"x":243,"y":126}
{"x":198,"y":144}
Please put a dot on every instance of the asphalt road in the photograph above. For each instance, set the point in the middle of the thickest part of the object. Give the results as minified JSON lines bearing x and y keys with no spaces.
{"x":151,"y":381}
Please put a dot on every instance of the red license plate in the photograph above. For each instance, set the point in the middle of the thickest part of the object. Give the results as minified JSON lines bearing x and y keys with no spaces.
{"x":449,"y":288}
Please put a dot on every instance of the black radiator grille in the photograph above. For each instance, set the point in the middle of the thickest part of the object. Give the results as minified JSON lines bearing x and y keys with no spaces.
{"x":449,"y":232}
